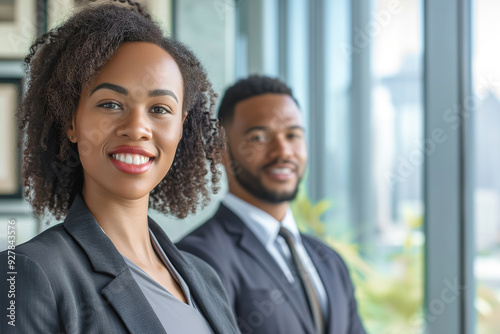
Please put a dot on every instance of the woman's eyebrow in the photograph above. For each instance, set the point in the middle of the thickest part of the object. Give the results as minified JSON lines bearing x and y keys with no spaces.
{"x":116,"y":88}
{"x":124,"y":91}
{"x":162,"y":92}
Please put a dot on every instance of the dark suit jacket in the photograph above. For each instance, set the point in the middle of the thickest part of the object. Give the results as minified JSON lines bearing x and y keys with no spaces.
{"x":261,"y":296}
{"x":71,"y":279}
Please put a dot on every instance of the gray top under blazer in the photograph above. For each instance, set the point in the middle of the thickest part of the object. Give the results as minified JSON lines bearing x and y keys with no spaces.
{"x":72,"y":279}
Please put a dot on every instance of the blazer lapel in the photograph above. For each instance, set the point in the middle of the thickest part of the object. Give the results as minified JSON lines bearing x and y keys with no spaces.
{"x":249,"y":243}
{"x":129,"y":302}
{"x":122,"y":292}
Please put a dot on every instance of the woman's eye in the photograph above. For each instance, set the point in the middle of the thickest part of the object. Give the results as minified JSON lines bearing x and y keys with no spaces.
{"x":160,"y":110}
{"x":110,"y":105}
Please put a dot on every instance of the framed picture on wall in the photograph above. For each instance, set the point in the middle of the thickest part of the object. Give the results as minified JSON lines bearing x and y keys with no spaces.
{"x":10,"y":185}
{"x":17,"y":27}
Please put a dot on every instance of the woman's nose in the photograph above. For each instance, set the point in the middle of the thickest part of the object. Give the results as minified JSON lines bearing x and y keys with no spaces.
{"x":135,"y":125}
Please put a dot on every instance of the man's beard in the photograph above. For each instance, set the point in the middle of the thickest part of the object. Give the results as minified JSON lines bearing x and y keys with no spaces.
{"x":254,"y":186}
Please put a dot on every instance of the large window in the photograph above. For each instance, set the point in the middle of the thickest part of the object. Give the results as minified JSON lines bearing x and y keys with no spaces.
{"x":394,"y":237}
{"x":366,"y":148}
{"x":487,"y":164}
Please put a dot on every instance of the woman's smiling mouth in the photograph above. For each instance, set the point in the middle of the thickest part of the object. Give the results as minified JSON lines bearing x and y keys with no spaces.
{"x":131,"y":159}
{"x":134,"y":159}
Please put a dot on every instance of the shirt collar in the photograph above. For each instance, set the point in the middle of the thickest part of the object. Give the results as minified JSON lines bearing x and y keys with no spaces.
{"x":263,"y":225}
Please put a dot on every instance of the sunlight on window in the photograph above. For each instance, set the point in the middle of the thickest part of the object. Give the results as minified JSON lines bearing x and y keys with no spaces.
{"x":486,"y":71}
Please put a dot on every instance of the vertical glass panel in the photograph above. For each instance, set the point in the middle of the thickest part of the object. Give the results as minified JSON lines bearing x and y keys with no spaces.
{"x":397,"y":169}
{"x":337,"y":85}
{"x":374,"y":156}
{"x":486,"y":72}
{"x":208,"y":27}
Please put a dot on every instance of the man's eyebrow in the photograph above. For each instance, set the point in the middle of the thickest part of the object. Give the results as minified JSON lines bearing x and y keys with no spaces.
{"x":162,"y":92}
{"x":256,"y":128}
{"x":116,"y":88}
{"x":296,"y":127}
{"x":265,"y":128}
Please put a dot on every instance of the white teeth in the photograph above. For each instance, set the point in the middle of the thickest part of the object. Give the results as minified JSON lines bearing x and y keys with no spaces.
{"x":281,"y":171}
{"x":132,"y":159}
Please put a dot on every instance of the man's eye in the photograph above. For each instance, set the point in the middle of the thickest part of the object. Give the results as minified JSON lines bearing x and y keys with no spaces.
{"x":160,"y":110}
{"x":256,"y":138}
{"x":260,"y":138}
{"x":110,"y":105}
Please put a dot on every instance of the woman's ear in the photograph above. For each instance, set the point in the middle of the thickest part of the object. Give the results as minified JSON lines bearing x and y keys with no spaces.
{"x":71,"y":131}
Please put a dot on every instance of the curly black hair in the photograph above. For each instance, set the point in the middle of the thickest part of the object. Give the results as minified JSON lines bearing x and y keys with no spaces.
{"x":249,"y":87}
{"x":61,"y":63}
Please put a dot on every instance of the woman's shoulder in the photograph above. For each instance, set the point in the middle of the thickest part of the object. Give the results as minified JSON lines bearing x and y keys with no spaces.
{"x":52,"y":258}
{"x":44,"y":247}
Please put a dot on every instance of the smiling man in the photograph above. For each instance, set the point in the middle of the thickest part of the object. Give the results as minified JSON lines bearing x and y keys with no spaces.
{"x":278,"y":280}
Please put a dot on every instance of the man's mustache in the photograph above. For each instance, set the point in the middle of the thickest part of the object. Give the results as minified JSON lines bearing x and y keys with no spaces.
{"x":277,"y":161}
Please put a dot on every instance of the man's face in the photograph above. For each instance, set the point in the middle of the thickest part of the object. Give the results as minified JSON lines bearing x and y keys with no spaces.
{"x":267,"y":148}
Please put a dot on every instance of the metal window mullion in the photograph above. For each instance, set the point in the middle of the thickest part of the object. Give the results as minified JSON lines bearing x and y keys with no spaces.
{"x":262,"y":34}
{"x":468,"y":248}
{"x":241,"y":41}
{"x":283,"y":47}
{"x":316,"y":161}
{"x":361,"y":210}
{"x":447,"y":205}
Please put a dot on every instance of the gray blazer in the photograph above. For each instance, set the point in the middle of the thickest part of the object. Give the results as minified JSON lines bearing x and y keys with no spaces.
{"x":261,"y":296}
{"x":71,"y":279}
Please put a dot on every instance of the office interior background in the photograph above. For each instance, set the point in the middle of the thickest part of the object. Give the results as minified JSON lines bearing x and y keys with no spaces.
{"x":402,"y":106}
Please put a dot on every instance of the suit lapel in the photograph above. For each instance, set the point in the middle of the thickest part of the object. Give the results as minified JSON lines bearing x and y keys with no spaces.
{"x":122,"y":292}
{"x":319,"y":263}
{"x":249,"y":243}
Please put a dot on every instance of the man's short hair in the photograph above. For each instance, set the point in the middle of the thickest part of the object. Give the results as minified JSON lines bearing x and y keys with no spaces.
{"x":244,"y":89}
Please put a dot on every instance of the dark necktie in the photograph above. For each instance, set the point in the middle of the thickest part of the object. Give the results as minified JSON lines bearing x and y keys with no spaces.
{"x":306,"y":281}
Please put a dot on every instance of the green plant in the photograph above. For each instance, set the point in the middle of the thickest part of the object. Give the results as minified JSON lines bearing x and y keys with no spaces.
{"x":389,"y":301}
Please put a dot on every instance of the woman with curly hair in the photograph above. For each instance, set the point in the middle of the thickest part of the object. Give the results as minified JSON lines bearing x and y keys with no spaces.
{"x":116,"y":119}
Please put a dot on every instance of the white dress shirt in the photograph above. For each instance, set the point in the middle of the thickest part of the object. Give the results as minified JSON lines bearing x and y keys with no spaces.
{"x":266,"y":228}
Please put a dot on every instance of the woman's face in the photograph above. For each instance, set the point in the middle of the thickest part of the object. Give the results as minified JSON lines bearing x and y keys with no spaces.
{"x":129,"y":122}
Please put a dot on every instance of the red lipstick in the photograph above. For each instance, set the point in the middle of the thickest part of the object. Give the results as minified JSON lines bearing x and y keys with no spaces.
{"x":131,"y":159}
{"x":132,"y":150}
